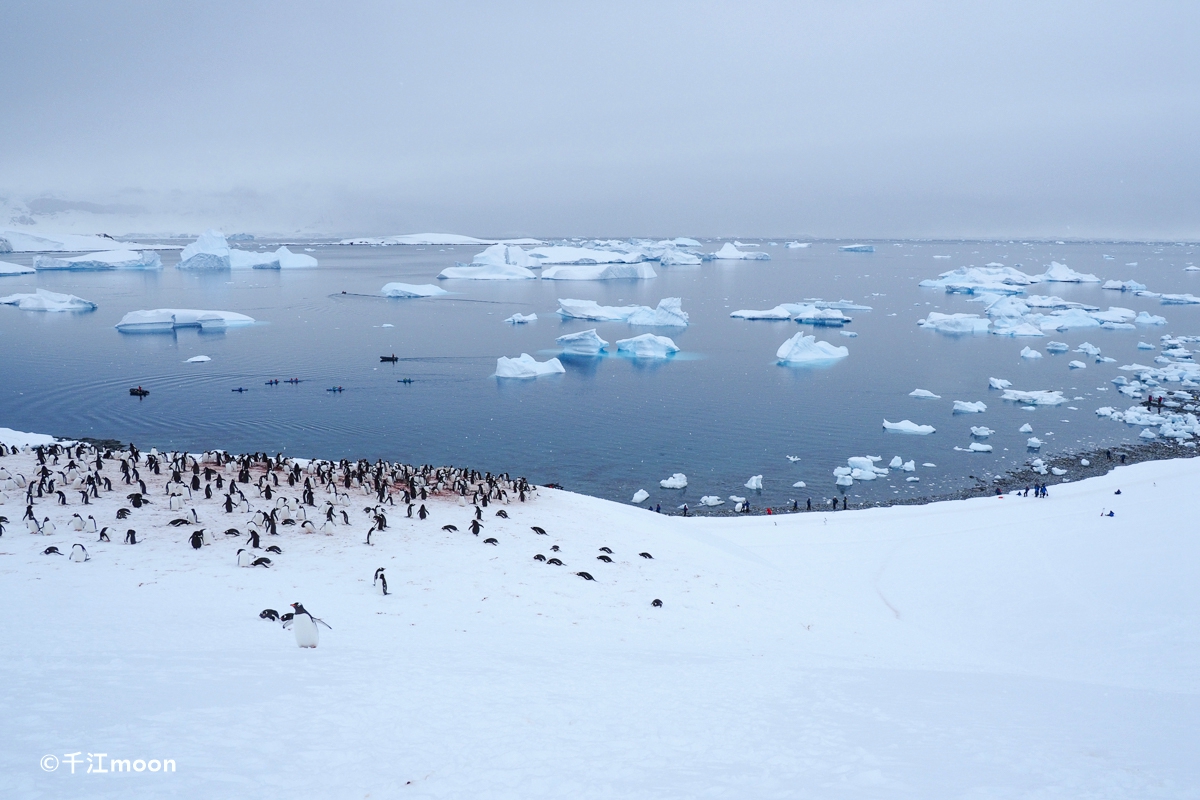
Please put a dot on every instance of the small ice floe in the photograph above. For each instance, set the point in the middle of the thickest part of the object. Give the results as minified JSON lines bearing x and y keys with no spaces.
{"x":1039,"y":397}
{"x":912,"y":479}
{"x":1104,"y":360}
{"x":793,"y":459}
{"x":965,"y":407}
{"x":600,"y":253}
{"x":640,"y":496}
{"x":1088,"y":348}
{"x":1059,"y":471}
{"x":1191,"y":268}
{"x":164,"y":320}
{"x":909,"y":466}
{"x":102,"y":261}
{"x":982,"y":431}
{"x":976,"y":447}
{"x":1056,"y":347}
{"x":928,"y":464}
{"x":814,"y":314}
{"x":924,"y":394}
{"x":583,"y":343}
{"x":955,"y":323}
{"x":492,"y":272}
{"x":776,"y":313}
{"x":998,"y":383}
{"x":857,"y":248}
{"x":526,"y":366}
{"x":908,"y":426}
{"x":411,"y":290}
{"x":755,"y":483}
{"x":1026,"y":428}
{"x":801,"y":349}
{"x":521,"y":319}
{"x":1144,"y":318}
{"x":197,"y":360}
{"x":1077,"y":365}
{"x":599,"y":272}
{"x":733,"y":498}
{"x":1124,"y":286}
{"x":799,"y":485}
{"x":669,"y":312}
{"x":1148,"y":434}
{"x":850,"y":334}
{"x":387,"y":325}
{"x":1145,"y":346}
{"x":43,"y":300}
{"x":896,"y":463}
{"x":1061,"y":273}
{"x":860,"y":468}
{"x":8,"y":268}
{"x":711,"y":500}
{"x":797,"y":245}
{"x":1033,"y":443}
{"x":676,"y":481}
{"x":648,"y":346}
{"x":1029,"y":352}
{"x":730,"y":252}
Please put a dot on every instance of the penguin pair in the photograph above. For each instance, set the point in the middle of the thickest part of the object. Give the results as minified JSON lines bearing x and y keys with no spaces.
{"x":380,"y":582}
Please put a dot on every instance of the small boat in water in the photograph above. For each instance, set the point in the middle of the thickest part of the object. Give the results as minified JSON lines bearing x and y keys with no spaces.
{"x":139,"y":392}
{"x":390,"y":359}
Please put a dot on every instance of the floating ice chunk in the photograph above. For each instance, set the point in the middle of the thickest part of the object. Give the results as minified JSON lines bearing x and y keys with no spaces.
{"x":7,"y":268}
{"x":912,"y":479}
{"x":242,"y":259}
{"x":1058,"y":471}
{"x":1148,"y":434}
{"x":1061,"y":273}
{"x":567,"y":255}
{"x":161,"y":320}
{"x":799,"y":485}
{"x":387,"y":325}
{"x":928,"y":464}
{"x":289,"y":260}
{"x":411,"y":290}
{"x":43,"y":300}
{"x":526,"y":366}
{"x":1035,"y":398}
{"x":501,"y":255}
{"x":801,"y":349}
{"x":998,"y":383}
{"x":1008,"y":327}
{"x":924,"y":394}
{"x":734,"y":498}
{"x":977,"y":280}
{"x":1144,"y":318}
{"x":1115,"y":315}
{"x":850,"y":334}
{"x":857,"y":248}
{"x":640,"y":496}
{"x":1026,"y":428}
{"x":521,"y":319}
{"x":812,"y":314}
{"x":981,"y":431}
{"x":1033,"y":443}
{"x":583,"y":343}
{"x":964,"y":407}
{"x":909,"y":466}
{"x":668,"y":314}
{"x":711,"y":500}
{"x":1077,"y":365}
{"x":648,"y":346}
{"x":896,"y":463}
{"x":197,"y":359}
{"x":976,"y":447}
{"x":1088,"y":348}
{"x":679,"y":258}
{"x":778,"y":312}
{"x":208,"y":252}
{"x":1179,"y":299}
{"x":1145,"y":346}
{"x":755,"y":483}
{"x":1084,"y":462}
{"x":955,"y":323}
{"x":1056,"y":347}
{"x":598,"y":272}
{"x":908,"y":426}
{"x":796,"y":245}
{"x":104,"y":260}
{"x":1124,"y":286}
{"x":1029,"y":352}
{"x":730,"y":252}
{"x":676,"y":481}
{"x":491,"y":272}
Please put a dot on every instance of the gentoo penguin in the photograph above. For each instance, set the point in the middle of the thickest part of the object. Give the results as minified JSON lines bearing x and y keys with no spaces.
{"x":92,"y":527}
{"x":196,"y":540}
{"x":645,"y":555}
{"x":449,"y":528}
{"x":274,"y":549}
{"x":491,"y":541}
{"x":304,"y":625}
{"x":502,"y":513}
{"x":475,"y":526}
{"x":51,"y":551}
{"x":538,"y":531}
{"x":104,"y":535}
{"x":539,"y":557}
{"x":606,"y":550}
{"x":122,"y":513}
{"x":656,"y":603}
{"x":253,"y":540}
{"x":410,"y":510}
{"x":245,"y":558}
{"x":585,"y":576}
{"x":605,"y":559}
{"x":32,"y":526}
{"x":369,"y":532}
{"x":261,"y":562}
{"x":79,"y":553}
{"x":76,"y":523}
{"x":380,"y":582}
{"x":421,"y":512}
{"x":478,"y":512}
{"x":131,"y":536}
{"x":555,"y":562}
{"x":195,"y":516}
{"x":307,"y":527}
{"x":554,"y":547}
{"x":48,"y":527}
{"x":269,"y":613}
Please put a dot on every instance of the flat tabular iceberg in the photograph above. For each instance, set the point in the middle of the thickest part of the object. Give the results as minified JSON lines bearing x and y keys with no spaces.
{"x":668,"y":314}
{"x":857,"y":248}
{"x":104,"y":260}
{"x":778,"y":312}
{"x":964,"y":407}
{"x":161,"y":320}
{"x":583,"y":343}
{"x":586,"y":256}
{"x":42,"y":300}
{"x":908,"y":426}
{"x":924,"y":394}
{"x":976,"y":447}
{"x":197,"y":360}
{"x":599,"y":272}
{"x":525,"y":366}
{"x":977,"y":280}
{"x":731,"y":253}
{"x":676,"y":481}
{"x":8,"y":268}
{"x":812,"y":314}
{"x":801,"y":349}
{"x":411,"y":290}
{"x":647,"y":346}
{"x":955,"y":323}
{"x":1077,"y":365}
{"x":1036,"y":398}
{"x":521,"y":319}
{"x":208,"y":252}
{"x":280,"y":259}
{"x":494,"y":272}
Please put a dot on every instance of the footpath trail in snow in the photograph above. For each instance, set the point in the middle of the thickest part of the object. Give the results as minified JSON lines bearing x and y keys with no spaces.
{"x":996,"y":647}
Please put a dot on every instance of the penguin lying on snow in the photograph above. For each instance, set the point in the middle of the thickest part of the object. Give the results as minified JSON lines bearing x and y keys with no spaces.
{"x":122,"y":513}
{"x":51,"y":551}
{"x":79,"y":553}
{"x":645,"y":555}
{"x":449,"y":528}
{"x":502,"y":513}
{"x":274,"y":549}
{"x":232,"y":532}
{"x":305,"y":627}
{"x":538,"y":531}
{"x":491,"y":541}
{"x":269,"y":613}
{"x":380,"y":582}
{"x":585,"y":576}
{"x":554,"y":548}
{"x":605,"y":559}
{"x":539,"y":557}
{"x":606,"y":550}
{"x":175,"y":523}
{"x":555,"y":562}
{"x":657,"y":603}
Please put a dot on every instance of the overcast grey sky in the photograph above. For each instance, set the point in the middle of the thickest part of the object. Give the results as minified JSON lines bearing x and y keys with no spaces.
{"x":610,"y":119}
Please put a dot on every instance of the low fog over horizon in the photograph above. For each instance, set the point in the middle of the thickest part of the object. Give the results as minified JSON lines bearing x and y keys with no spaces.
{"x":872,"y":120}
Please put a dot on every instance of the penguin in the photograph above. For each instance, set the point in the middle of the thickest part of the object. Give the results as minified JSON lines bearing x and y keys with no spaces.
{"x":538,"y":531}
{"x":345,"y":518}
{"x":261,"y":562}
{"x":449,"y":528}
{"x":175,"y":523}
{"x":555,"y":562}
{"x":380,"y":582}
{"x":502,"y":513}
{"x":605,"y":559}
{"x":307,"y":527}
{"x":122,"y":513}
{"x":195,"y":516}
{"x":253,"y":541}
{"x":76,"y":523}
{"x":645,"y":555}
{"x":92,"y":527}
{"x":410,"y":510}
{"x":104,"y":535}
{"x":48,"y":527}
{"x":79,"y":553}
{"x":131,"y":536}
{"x":51,"y":551}
{"x":478,"y":512}
{"x":274,"y":549}
{"x":554,"y":547}
{"x":656,"y":603}
{"x":491,"y":541}
{"x":606,"y":550}
{"x":305,"y":627}
{"x":285,"y":618}
{"x":245,"y":558}
{"x":585,"y":576}
{"x":62,"y":498}
{"x":32,"y":526}
{"x":369,"y":532}
{"x":232,"y":532}
{"x":421,"y":512}
{"x":269,"y":613}
{"x":197,"y":540}
{"x":539,"y":557}
{"x":475,"y":526}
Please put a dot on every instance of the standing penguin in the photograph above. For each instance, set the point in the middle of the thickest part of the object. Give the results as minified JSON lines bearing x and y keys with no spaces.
{"x":197,"y":540}
{"x":304,"y":625}
{"x":380,"y":582}
{"x":79,"y":553}
{"x":245,"y":558}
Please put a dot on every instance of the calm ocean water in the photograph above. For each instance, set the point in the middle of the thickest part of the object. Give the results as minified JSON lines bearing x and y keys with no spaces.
{"x":721,"y":412}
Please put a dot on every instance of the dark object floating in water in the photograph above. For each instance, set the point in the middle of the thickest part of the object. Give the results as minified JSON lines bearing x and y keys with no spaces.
{"x":405,"y":380}
{"x":239,"y":390}
{"x":292,"y":380}
{"x":273,"y":382}
{"x":553,"y":486}
{"x":392,"y":359}
{"x":335,"y":389}
{"x":139,"y":392}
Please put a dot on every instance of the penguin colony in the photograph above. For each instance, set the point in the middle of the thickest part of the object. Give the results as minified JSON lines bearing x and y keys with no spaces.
{"x":277,"y":493}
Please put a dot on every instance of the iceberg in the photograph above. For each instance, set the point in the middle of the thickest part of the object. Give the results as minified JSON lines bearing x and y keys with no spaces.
{"x":244,"y":259}
{"x":755,"y":483}
{"x":1144,"y":318}
{"x":8,"y":268}
{"x":491,"y":272}
{"x":208,"y":252}
{"x":729,"y":252}
{"x":197,"y":360}
{"x":896,"y":463}
{"x":679,"y":241}
{"x":24,"y":242}
{"x":586,"y":256}
{"x":525,"y":366}
{"x":1145,"y":346}
{"x":1179,"y":299}
{"x":801,"y":349}
{"x":289,"y":260}
{"x":1029,"y":352}
{"x":1035,"y":398}
{"x":161,"y":320}
{"x":599,"y":272}
{"x":1009,"y":327}
{"x":104,"y":260}
{"x":711,"y":500}
{"x":1124,"y":286}
{"x":778,"y":312}
{"x":798,"y":245}
{"x":955,"y":323}
{"x":998,"y":383}
{"x":1026,"y":428}
{"x":811,"y":314}
{"x":908,"y":426}
{"x":857,"y":248}
{"x":668,"y":314}
{"x":501,"y":255}
{"x":1090,"y":349}
{"x":411,"y":290}
{"x":640,"y":496}
{"x":1077,"y":365}
{"x":647,"y":346}
{"x":1033,"y":443}
{"x":982,"y":431}
{"x":924,"y":394}
{"x":980,"y":280}
{"x":976,"y":447}
{"x":42,"y":300}
{"x":964,"y":407}
{"x":676,"y":481}
{"x":521,"y":319}
{"x":584,"y":343}
{"x":1057,"y":347}
{"x":1061,"y":273}
{"x":679,"y":258}
{"x":435,"y":239}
